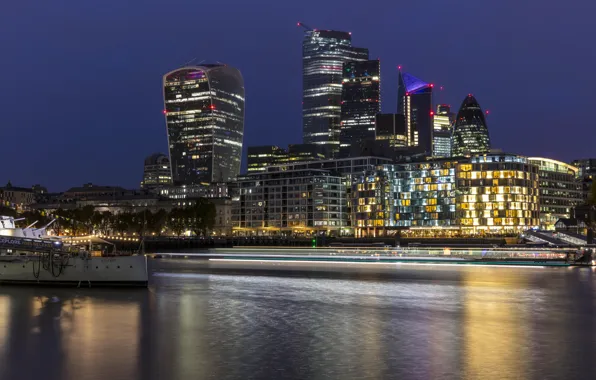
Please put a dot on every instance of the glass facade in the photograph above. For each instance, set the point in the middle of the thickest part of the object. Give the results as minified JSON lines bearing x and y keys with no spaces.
{"x":391,"y":127}
{"x":420,"y":194}
{"x":497,"y":192}
{"x":490,"y":193}
{"x":442,"y":122}
{"x":415,"y":103}
{"x":560,"y":190}
{"x":204,"y":112}
{"x":323,"y":54}
{"x":470,"y":133}
{"x":360,"y":103}
{"x":262,"y":157}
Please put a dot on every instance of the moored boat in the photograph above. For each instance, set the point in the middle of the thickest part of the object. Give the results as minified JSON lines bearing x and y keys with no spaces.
{"x":29,"y":256}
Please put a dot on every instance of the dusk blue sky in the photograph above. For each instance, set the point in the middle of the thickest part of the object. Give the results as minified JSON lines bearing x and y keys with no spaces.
{"x":80,"y":80}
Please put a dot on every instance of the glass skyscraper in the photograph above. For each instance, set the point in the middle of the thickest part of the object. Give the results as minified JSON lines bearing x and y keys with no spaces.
{"x":323,"y":54}
{"x":415,"y":103}
{"x":204,"y":112}
{"x":470,"y":133}
{"x":442,"y":122}
{"x":360,"y":102}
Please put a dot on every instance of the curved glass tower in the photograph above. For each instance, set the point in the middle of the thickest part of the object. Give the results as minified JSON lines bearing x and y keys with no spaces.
{"x":204,"y":112}
{"x":470,"y":133}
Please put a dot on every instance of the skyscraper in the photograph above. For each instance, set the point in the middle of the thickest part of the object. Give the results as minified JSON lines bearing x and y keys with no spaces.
{"x":470,"y":133}
{"x":204,"y":112}
{"x":323,"y":54}
{"x":442,"y":123}
{"x":360,"y":102}
{"x":415,"y":103}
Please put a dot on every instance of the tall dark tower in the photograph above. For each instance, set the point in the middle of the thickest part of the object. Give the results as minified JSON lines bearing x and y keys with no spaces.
{"x":470,"y":133}
{"x":323,"y":54}
{"x":204,"y":112}
{"x":360,"y":103}
{"x":415,"y":103}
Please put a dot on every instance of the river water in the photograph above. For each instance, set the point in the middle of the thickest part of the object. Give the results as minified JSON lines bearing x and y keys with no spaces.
{"x":422,"y":323}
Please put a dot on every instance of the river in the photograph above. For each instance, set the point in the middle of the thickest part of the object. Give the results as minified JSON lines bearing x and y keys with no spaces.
{"x":427,"y":322}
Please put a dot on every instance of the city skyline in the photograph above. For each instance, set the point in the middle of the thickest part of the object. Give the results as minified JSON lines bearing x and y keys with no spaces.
{"x":117,"y":107}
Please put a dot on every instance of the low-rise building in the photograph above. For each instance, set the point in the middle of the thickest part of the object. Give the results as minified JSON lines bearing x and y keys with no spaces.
{"x":16,"y":197}
{"x":291,"y":202}
{"x":560,"y":190}
{"x":484,"y":194}
{"x":262,"y":157}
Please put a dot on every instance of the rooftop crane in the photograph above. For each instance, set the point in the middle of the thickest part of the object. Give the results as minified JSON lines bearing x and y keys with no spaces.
{"x":304,"y":26}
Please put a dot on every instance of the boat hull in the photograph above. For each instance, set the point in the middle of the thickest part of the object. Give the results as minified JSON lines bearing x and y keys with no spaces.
{"x":76,"y":271}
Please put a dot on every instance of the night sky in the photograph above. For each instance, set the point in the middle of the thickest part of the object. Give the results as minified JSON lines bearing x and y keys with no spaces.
{"x":80,"y":81}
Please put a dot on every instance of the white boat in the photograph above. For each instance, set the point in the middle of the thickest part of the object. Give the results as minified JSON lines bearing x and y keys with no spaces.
{"x":29,"y":256}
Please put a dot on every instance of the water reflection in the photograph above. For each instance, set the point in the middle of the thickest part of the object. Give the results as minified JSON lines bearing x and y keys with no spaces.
{"x":496,"y":324}
{"x":429,"y":323}
{"x":68,"y":335}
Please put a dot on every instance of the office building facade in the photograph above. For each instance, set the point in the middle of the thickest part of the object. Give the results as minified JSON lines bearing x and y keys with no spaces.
{"x":262,"y":157}
{"x":415,"y":103}
{"x":293,"y":203}
{"x":484,"y":194}
{"x":157,"y":171}
{"x":497,"y":193}
{"x":323,"y":54}
{"x":560,"y":190}
{"x":443,"y":120}
{"x":401,"y":196}
{"x":392,"y":128}
{"x":470,"y":132}
{"x":204,"y":113}
{"x":360,"y":103}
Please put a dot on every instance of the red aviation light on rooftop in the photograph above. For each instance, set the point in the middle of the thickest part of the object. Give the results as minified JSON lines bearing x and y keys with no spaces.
{"x":399,"y":67}
{"x":164,"y":112}
{"x":431,"y":113}
{"x":432,"y":85}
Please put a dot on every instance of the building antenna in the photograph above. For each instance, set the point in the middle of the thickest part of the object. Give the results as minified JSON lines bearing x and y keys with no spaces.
{"x":191,"y":61}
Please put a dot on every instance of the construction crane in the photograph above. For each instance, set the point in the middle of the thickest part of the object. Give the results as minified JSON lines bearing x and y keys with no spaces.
{"x":304,"y":26}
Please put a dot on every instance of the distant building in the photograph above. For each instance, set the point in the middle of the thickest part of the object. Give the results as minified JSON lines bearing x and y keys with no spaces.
{"x":323,"y":54}
{"x":470,"y":132}
{"x":360,"y":103}
{"x":560,"y":190}
{"x":211,"y":190}
{"x":415,"y":103}
{"x":157,"y":171}
{"x":90,"y":190}
{"x":16,"y":197}
{"x":392,"y":127}
{"x":204,"y":112}
{"x":262,"y":157}
{"x":442,"y":124}
{"x":586,"y":167}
